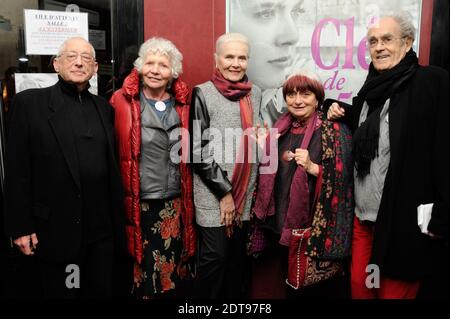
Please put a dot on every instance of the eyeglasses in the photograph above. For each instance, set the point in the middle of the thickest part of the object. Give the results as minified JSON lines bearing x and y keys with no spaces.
{"x":385,"y":40}
{"x":73,"y":56}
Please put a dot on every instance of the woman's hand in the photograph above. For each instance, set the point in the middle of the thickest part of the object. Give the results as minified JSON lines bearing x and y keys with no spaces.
{"x":302,"y":159}
{"x":227,"y":210}
{"x":228,"y":214}
{"x":260,"y":135}
{"x":335,"y":112}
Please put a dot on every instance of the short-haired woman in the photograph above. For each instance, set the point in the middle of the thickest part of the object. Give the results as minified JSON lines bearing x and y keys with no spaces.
{"x":149,"y":108}
{"x":312,"y":188}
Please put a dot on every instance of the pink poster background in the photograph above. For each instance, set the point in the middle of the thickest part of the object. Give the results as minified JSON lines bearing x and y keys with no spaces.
{"x":326,"y":36}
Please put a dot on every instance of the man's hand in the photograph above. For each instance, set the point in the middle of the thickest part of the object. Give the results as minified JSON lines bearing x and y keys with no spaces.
{"x":433,"y":236}
{"x":335,"y":112}
{"x":227,"y":209}
{"x":27,"y":243}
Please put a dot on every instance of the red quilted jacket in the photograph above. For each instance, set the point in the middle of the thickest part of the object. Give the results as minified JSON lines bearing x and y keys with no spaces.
{"x":126,"y":102}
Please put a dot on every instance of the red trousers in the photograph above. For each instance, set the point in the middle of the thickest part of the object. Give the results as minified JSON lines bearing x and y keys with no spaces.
{"x":388,"y":288}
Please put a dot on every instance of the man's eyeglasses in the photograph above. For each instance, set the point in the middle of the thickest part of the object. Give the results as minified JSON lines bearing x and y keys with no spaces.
{"x":386,"y":41}
{"x":73,"y":56}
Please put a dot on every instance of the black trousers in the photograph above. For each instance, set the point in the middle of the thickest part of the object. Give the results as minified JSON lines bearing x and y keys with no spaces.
{"x":35,"y":278}
{"x":222,"y":264}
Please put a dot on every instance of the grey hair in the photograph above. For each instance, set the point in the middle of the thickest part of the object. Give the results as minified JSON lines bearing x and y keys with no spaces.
{"x":231,"y":37}
{"x":404,"y":20}
{"x":62,"y":47}
{"x":164,"y":47}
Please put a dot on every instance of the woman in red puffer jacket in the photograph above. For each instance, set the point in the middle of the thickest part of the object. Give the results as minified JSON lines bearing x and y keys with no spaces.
{"x":151,"y":122}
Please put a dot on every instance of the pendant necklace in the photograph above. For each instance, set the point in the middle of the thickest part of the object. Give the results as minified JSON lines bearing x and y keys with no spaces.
{"x":160,"y":106}
{"x":288,"y":155}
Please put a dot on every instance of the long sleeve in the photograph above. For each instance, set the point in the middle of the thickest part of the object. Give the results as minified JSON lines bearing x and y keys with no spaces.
{"x":439,"y":223}
{"x":348,"y":118}
{"x":203,"y":162}
{"x":18,"y":220}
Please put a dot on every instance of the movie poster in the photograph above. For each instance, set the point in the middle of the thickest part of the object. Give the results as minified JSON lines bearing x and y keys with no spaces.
{"x":326,"y":36}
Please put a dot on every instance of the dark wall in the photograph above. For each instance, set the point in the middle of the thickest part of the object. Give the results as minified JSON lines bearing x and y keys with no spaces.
{"x":439,"y":34}
{"x":193,"y":26}
{"x":128,"y":32}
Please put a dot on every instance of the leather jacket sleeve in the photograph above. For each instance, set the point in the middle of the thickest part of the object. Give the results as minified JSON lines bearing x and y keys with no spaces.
{"x":203,"y":162}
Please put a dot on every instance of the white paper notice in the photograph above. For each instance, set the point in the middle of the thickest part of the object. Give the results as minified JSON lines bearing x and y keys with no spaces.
{"x":45,"y":31}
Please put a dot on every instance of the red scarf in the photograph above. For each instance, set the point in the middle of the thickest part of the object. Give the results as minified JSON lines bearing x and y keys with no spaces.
{"x":233,"y":91}
{"x":299,"y":190}
{"x":239,"y":91}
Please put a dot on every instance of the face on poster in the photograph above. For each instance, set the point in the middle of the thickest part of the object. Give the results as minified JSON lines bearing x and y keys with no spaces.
{"x":326,"y":36}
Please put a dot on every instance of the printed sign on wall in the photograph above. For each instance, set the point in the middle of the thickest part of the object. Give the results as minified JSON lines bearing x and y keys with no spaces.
{"x":45,"y":31}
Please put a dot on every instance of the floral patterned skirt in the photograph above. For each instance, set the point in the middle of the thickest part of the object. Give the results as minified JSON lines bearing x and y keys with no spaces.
{"x":162,"y":247}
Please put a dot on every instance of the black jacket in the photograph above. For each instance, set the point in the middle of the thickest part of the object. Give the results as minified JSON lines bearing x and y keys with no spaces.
{"x":418,"y":174}
{"x":43,"y":192}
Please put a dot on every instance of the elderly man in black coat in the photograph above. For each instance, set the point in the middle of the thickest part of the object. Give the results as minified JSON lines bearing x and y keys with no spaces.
{"x":63,"y":188}
{"x":401,"y":135}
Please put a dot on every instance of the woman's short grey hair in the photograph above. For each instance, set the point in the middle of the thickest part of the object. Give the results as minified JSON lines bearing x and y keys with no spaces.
{"x":62,"y":47}
{"x":231,"y":37}
{"x":164,"y":47}
{"x":404,"y":20}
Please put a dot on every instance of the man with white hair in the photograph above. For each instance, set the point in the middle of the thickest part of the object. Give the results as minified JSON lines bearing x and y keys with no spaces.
{"x":400,"y":124}
{"x":63,"y":188}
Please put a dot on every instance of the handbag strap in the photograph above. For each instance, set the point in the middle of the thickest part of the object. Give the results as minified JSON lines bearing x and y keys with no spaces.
{"x":301,"y":232}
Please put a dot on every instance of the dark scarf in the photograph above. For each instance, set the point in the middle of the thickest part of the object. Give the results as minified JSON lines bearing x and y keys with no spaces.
{"x":377,"y":89}
{"x":239,"y":91}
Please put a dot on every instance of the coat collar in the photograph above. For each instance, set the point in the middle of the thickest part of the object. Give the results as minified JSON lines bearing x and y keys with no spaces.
{"x":63,"y":132}
{"x":131,"y":88}
{"x":60,"y":123}
{"x":150,"y":119}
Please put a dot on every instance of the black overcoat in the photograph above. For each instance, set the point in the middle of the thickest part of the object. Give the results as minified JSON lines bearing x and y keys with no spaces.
{"x":42,"y":184}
